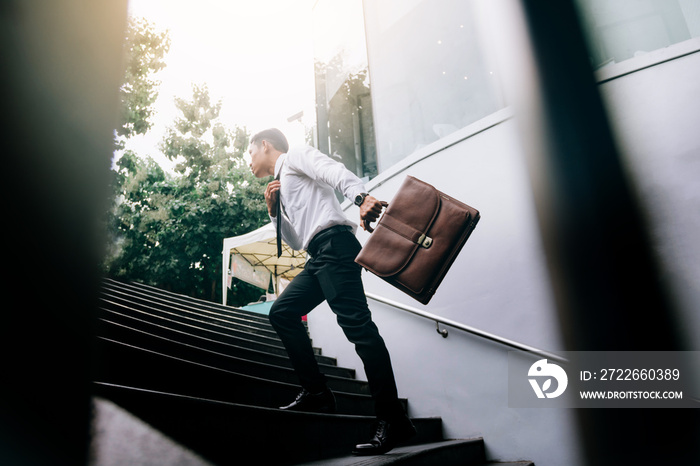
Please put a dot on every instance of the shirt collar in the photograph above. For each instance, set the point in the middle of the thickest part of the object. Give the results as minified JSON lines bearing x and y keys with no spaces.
{"x":278,"y":164}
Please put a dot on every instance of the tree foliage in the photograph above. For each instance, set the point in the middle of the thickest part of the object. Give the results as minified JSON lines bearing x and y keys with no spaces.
{"x":167,"y":229}
{"x":144,"y":56}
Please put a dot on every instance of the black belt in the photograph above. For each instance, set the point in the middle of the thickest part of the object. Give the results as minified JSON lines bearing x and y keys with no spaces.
{"x":323,"y":235}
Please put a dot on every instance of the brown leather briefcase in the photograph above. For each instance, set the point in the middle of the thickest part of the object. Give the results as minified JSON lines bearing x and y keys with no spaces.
{"x":417,"y":238}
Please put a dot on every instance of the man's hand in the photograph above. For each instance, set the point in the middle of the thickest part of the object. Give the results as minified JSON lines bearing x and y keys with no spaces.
{"x":271,"y":195}
{"x":370,"y":210}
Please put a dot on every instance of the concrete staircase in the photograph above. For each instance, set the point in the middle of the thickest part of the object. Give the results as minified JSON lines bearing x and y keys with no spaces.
{"x":210,"y":377}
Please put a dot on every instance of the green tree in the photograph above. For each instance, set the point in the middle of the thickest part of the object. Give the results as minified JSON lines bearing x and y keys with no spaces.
{"x":136,"y":221}
{"x":144,"y":56}
{"x":136,"y":181}
{"x":169,"y":228}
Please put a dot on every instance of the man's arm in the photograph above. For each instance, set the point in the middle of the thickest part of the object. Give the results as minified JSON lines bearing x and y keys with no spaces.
{"x":319,"y":166}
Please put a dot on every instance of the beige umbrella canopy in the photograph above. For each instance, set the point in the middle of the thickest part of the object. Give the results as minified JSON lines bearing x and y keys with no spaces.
{"x":253,"y":258}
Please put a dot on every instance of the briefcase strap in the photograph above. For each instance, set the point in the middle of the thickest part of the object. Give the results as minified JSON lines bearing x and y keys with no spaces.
{"x":406,"y":231}
{"x":402,"y":229}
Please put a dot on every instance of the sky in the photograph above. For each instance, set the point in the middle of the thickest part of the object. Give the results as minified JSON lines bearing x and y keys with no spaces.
{"x":256,"y":56}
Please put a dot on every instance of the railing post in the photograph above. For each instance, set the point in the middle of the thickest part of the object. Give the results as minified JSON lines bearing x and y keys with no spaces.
{"x":442,"y":332}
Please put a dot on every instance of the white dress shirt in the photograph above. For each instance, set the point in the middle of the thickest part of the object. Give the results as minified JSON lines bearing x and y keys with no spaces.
{"x":308,"y":180}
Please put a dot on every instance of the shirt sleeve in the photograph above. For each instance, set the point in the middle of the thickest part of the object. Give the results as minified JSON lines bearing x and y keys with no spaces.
{"x":320,"y":167}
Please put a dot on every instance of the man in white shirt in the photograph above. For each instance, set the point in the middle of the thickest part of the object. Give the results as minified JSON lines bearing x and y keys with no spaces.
{"x":311,"y":219}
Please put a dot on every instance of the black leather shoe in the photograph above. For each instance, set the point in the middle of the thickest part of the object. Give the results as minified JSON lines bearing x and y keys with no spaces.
{"x":386,"y":437}
{"x":323,"y":402}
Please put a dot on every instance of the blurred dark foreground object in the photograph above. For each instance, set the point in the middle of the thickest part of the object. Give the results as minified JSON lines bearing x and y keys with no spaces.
{"x":61,"y":71}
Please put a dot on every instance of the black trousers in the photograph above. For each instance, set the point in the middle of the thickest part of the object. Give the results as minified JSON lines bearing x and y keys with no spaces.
{"x":333,"y":275}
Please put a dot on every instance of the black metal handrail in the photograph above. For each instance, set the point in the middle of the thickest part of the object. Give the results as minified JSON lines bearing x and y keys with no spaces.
{"x":481,"y":333}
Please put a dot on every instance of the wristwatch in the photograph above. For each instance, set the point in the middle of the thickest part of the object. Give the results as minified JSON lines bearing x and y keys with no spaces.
{"x":360,"y":198}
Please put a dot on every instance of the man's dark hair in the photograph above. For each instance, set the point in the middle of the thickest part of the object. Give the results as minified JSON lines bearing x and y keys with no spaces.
{"x":274,"y":137}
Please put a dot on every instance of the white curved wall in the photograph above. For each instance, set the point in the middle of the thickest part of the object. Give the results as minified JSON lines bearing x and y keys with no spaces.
{"x":500,"y":284}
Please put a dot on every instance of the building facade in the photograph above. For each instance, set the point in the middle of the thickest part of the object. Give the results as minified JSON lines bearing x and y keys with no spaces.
{"x":431,"y":88}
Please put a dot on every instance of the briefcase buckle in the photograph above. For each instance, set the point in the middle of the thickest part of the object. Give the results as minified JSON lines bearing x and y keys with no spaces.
{"x":425,"y":241}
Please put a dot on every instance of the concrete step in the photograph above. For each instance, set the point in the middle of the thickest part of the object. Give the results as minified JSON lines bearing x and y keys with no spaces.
{"x":468,"y":452}
{"x":127,"y":365}
{"x":222,"y":360}
{"x":222,"y":317}
{"x":224,"y":433}
{"x":135,"y":317}
{"x":210,"y":378}
{"x":130,"y":306}
{"x":176,"y":298}
{"x":260,"y":354}
{"x":507,"y":463}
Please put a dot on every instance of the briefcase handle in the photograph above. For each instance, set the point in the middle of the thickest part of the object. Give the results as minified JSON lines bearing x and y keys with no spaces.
{"x":368,"y":226}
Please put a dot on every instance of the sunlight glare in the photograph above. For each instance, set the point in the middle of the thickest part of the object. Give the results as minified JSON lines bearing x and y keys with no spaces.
{"x":255,"y":56}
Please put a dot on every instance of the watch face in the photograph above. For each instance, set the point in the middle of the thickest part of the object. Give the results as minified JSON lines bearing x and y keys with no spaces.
{"x":359,"y":198}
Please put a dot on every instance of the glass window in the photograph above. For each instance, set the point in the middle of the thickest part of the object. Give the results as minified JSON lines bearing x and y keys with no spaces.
{"x":621,"y":29}
{"x":345,"y":128}
{"x":429,"y":77}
